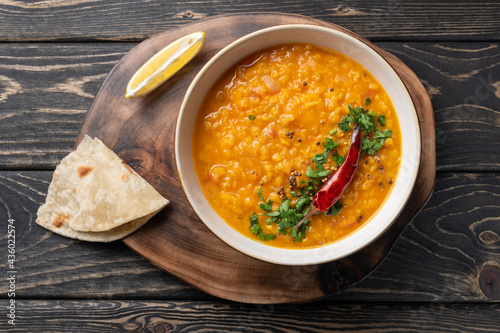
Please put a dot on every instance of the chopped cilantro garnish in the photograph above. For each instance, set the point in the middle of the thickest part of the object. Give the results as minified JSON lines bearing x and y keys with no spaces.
{"x":267,"y":206}
{"x":302,"y":203}
{"x":381,"y":120}
{"x":335,"y":209}
{"x":370,"y":146}
{"x":373,"y":139}
{"x":318,"y":173}
{"x":329,"y":144}
{"x":259,"y":193}
{"x":344,"y":125}
{"x":287,"y":216}
{"x":338,"y":159}
{"x":256,"y":229}
{"x":251,"y":117}
{"x":320,"y":159}
{"x":385,"y":134}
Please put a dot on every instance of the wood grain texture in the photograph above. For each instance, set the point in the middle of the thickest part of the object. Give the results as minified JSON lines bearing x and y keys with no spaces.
{"x":45,"y":90}
{"x":185,"y":316}
{"x":457,"y":231}
{"x":53,"y":266}
{"x":439,"y":257}
{"x":141,"y":132}
{"x":88,"y":20}
{"x":464,"y":85}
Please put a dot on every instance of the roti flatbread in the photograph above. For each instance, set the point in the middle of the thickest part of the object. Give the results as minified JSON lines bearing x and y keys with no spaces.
{"x":93,"y":191}
{"x":102,"y":236}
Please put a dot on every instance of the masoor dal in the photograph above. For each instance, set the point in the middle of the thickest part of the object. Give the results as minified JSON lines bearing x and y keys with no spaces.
{"x":263,"y":121}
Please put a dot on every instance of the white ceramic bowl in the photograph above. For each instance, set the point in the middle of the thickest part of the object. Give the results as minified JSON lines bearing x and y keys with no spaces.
{"x":332,"y":39}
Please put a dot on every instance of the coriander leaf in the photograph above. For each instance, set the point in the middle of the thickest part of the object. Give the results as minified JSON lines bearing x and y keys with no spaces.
{"x":335,"y":209}
{"x":285,"y":205}
{"x":368,"y":101}
{"x":296,"y":235}
{"x":318,"y":173}
{"x":344,"y":124}
{"x":267,"y":206}
{"x":259,"y":193}
{"x":269,"y":237}
{"x":338,"y":159}
{"x":254,"y":219}
{"x":287,"y":217}
{"x":381,"y":120}
{"x":272,"y":219}
{"x":301,"y":203}
{"x":366,"y":121}
{"x":377,"y":145}
{"x":330,"y":144}
{"x":275,"y":213}
{"x":251,"y":117}
{"x":319,"y":159}
{"x":256,"y":229}
{"x":385,"y":134}
{"x":368,"y":146}
{"x":368,"y":124}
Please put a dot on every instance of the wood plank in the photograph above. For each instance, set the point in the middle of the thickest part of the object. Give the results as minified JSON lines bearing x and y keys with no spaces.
{"x":463,"y":82}
{"x":186,"y":316}
{"x":53,"y":266}
{"x":89,"y":20}
{"x":448,"y":253}
{"x":447,"y":250}
{"x":47,"y":88}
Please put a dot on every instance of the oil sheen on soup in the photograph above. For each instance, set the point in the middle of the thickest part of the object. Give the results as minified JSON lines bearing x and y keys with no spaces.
{"x":275,"y":126}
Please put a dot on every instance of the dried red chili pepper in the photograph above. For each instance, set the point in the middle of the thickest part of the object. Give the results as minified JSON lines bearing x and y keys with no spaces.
{"x":333,"y":188}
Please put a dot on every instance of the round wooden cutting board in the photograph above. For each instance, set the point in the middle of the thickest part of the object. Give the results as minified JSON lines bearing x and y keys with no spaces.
{"x":141,"y":132}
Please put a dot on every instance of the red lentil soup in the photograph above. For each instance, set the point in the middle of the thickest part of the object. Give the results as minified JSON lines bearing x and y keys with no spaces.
{"x":265,"y":119}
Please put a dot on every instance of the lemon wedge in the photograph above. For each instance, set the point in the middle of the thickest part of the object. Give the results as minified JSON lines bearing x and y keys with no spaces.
{"x":164,"y":64}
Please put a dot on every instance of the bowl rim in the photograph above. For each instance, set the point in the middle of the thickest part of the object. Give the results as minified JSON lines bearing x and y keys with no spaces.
{"x":315,"y":257}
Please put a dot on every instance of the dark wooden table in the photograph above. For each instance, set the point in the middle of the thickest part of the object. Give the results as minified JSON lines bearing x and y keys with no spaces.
{"x":443,"y":273}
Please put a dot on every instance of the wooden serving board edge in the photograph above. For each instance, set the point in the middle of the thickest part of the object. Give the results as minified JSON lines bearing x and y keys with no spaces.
{"x":331,"y":277}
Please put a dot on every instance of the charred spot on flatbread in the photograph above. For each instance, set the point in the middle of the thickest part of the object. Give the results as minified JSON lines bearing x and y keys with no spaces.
{"x":128,"y":168}
{"x":84,"y":170}
{"x":59,"y":220}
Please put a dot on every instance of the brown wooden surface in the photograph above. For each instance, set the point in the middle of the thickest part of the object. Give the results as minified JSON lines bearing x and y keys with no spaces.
{"x":141,"y":131}
{"x":442,"y":274}
{"x":126,"y":20}
{"x":49,"y":87}
{"x":441,"y":257}
{"x":218,"y":316}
